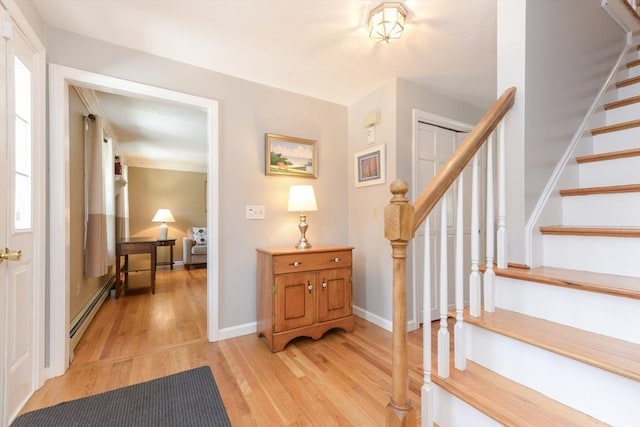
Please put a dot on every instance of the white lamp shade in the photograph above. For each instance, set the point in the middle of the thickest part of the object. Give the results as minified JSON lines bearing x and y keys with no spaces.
{"x":302,"y":199}
{"x":163,"y":215}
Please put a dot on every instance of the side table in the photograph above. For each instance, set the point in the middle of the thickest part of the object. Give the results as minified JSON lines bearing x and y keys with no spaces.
{"x":169,"y":242}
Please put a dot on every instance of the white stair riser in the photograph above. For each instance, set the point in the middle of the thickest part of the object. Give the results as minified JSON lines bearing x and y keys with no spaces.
{"x":610,"y":172}
{"x":632,"y":72}
{"x":601,"y":394}
{"x":622,"y":114}
{"x":616,"y":141}
{"x":603,"y":314}
{"x":450,"y":411}
{"x":628,"y":91}
{"x":606,"y":210}
{"x":612,"y":255}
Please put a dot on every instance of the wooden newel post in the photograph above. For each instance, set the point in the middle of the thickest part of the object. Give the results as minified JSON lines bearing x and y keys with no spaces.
{"x":398,"y":228}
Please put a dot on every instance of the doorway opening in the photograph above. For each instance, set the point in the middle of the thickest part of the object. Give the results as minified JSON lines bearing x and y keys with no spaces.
{"x":60,"y":79}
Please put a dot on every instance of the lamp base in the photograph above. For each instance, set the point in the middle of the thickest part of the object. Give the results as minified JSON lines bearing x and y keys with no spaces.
{"x":303,"y":243}
{"x":164,"y":231}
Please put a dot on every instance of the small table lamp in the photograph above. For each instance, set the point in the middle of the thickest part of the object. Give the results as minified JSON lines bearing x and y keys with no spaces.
{"x":302,"y":199}
{"x":164,"y":216}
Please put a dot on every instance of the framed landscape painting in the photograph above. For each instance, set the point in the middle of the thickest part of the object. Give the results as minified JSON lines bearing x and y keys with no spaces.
{"x":285,"y":155}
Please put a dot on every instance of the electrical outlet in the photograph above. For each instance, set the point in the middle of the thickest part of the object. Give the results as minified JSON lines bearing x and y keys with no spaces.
{"x":77,"y":288}
{"x":254,"y":212}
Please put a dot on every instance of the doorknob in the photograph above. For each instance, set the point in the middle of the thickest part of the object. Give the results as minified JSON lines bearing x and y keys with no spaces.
{"x":10,"y":255}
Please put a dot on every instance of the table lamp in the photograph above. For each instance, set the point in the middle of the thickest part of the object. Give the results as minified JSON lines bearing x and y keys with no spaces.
{"x":164,"y":216}
{"x":302,"y":199}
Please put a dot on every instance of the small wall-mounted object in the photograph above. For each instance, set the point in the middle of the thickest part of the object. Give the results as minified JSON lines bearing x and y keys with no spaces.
{"x":371,"y":134}
{"x":117,"y":166}
{"x":370,"y":124}
{"x":371,"y":119}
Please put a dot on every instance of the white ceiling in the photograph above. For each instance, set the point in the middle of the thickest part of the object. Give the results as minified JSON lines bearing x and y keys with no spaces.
{"x":318,"y":48}
{"x":155,"y":134}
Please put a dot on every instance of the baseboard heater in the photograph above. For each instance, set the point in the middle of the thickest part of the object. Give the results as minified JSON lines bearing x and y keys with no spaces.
{"x":80,"y":323}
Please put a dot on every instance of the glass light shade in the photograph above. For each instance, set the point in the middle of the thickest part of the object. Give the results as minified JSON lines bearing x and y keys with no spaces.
{"x":386,"y":22}
{"x":163,"y":215}
{"x":302,"y":199}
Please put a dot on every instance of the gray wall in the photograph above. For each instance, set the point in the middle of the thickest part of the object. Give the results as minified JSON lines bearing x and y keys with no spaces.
{"x":571,"y":46}
{"x":247,"y":112}
{"x":558,"y":55}
{"x":372,"y":254}
{"x":395,"y":101}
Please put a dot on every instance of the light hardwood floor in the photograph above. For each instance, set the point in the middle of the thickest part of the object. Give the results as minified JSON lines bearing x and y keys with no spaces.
{"x":340,"y":380}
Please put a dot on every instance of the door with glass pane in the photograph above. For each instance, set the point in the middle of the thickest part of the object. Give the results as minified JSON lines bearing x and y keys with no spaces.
{"x":19,"y":287}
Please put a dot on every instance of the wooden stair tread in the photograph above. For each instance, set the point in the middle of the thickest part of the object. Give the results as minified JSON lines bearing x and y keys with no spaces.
{"x":508,"y":402}
{"x":591,"y":231}
{"x":628,"y":82}
{"x":633,"y":63}
{"x":609,"y":156}
{"x":608,"y":189}
{"x":615,"y":127}
{"x":622,"y":103}
{"x":611,"y":284}
{"x":607,"y":353}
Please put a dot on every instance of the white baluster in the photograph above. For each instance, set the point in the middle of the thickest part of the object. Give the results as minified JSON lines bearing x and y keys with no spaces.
{"x":443,"y":332}
{"x":427,"y":388}
{"x":460,"y":358}
{"x":489,"y":274}
{"x":501,"y":235}
{"x":474,"y":276}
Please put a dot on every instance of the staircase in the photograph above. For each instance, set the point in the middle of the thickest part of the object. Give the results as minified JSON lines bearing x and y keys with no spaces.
{"x":563,"y":345}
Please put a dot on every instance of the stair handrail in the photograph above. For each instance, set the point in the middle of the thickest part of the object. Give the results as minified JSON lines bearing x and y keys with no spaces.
{"x":402,"y":220}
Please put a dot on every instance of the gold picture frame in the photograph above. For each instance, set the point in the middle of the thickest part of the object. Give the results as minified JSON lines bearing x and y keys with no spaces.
{"x":286,"y":155}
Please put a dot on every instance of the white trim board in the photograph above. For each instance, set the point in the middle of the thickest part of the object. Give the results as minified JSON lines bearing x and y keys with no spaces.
{"x":60,"y":77}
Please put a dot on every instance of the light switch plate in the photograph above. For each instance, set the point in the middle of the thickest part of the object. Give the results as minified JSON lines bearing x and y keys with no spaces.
{"x":254,"y":212}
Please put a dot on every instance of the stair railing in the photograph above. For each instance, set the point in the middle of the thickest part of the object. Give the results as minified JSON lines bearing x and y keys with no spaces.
{"x":402,"y":219}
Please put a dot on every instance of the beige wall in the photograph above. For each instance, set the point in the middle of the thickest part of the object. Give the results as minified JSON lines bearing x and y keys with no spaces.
{"x":181,"y":192}
{"x":81,"y":290}
{"x":247,"y":111}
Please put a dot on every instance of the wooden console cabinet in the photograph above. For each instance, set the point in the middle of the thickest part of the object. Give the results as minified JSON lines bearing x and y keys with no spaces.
{"x":303,"y":293}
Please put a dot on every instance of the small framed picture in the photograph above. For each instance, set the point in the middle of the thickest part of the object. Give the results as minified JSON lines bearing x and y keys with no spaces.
{"x":285,"y":155}
{"x":370,"y":166}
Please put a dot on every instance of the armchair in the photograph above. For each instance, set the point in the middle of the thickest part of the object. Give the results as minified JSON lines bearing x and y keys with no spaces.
{"x":194,"y":247}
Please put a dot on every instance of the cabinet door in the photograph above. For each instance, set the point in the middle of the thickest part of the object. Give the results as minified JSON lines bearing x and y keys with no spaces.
{"x":334,"y":294}
{"x":293,"y":301}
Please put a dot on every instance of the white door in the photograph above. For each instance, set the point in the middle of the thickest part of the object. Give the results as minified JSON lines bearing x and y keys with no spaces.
{"x":21,"y":270}
{"x":434,"y":146}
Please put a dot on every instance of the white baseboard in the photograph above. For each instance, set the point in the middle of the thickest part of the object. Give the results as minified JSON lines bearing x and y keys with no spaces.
{"x":373,"y":318}
{"x":251,"y":328}
{"x":237,"y":331}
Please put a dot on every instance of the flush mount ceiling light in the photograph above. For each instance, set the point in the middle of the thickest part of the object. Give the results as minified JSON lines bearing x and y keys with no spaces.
{"x":386,"y":22}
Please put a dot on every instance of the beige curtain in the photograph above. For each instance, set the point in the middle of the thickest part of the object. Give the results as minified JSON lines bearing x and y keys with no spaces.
{"x":96,"y":254}
{"x":122,"y":206}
